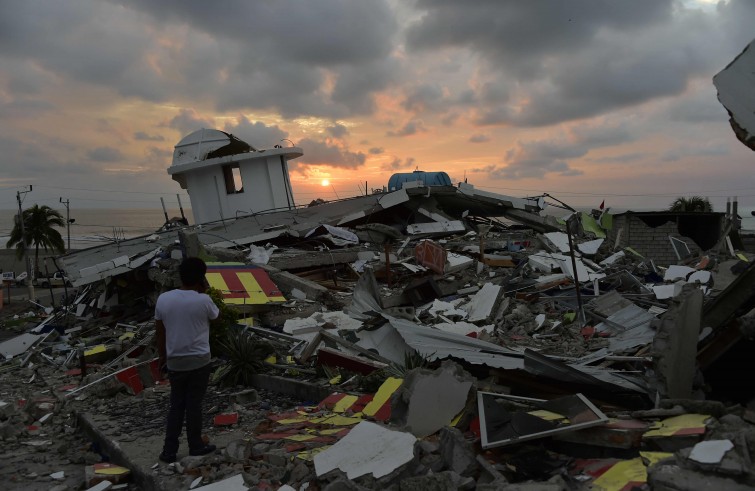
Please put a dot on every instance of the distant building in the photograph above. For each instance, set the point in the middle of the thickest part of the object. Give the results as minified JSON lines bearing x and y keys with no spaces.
{"x":226,"y":176}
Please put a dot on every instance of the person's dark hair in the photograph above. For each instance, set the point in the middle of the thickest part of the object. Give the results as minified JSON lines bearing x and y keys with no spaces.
{"x":192,"y":271}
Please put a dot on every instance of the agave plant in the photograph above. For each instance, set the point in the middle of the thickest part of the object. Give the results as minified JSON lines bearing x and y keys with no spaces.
{"x":220,"y":327}
{"x":245,"y":356}
{"x":411,"y":360}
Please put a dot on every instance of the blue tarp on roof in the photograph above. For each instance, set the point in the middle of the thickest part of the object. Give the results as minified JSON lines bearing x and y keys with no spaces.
{"x":427,"y":178}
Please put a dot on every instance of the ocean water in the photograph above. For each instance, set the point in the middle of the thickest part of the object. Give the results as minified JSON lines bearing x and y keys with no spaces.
{"x":93,"y":227}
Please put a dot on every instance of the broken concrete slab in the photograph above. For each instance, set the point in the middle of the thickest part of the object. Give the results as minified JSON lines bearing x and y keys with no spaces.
{"x":429,"y":400}
{"x":676,"y":272}
{"x":735,"y":85}
{"x":458,"y":454}
{"x":670,"y":477}
{"x":19,"y":344}
{"x":481,"y":305}
{"x":710,"y":451}
{"x":675,"y":344}
{"x":387,"y":450}
{"x":233,"y":483}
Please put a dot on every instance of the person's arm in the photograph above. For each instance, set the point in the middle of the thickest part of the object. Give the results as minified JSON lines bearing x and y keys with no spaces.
{"x":161,"y":352}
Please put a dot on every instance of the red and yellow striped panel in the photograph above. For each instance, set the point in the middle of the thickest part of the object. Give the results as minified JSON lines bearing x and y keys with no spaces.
{"x":243,"y":284}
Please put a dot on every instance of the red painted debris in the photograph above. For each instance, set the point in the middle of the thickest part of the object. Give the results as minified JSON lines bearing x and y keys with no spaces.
{"x":330,"y":401}
{"x":131,"y":377}
{"x":360,"y":403}
{"x":227,"y":419}
{"x":295,"y":447}
{"x":431,"y":255}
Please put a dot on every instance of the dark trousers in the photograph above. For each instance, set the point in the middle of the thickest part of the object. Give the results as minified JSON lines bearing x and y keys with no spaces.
{"x":187,"y":389}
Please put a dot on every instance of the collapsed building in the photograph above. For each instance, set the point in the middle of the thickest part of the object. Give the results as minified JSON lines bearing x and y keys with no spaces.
{"x":448,"y":326}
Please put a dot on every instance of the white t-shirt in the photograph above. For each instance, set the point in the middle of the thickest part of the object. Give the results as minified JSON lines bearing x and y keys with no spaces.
{"x":186,"y":315}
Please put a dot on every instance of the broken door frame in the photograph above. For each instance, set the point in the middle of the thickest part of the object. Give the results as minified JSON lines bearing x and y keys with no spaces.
{"x":601,"y":419}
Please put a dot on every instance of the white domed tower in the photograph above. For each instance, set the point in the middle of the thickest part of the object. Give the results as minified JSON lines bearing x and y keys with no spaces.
{"x":224,"y":175}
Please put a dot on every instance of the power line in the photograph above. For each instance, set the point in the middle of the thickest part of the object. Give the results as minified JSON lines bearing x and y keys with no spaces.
{"x":102,"y":190}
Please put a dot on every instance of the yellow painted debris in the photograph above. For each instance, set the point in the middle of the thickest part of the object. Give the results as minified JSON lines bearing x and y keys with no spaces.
{"x":621,"y":474}
{"x":97,"y":349}
{"x":548,"y":415}
{"x":652,"y":458}
{"x":336,"y":420}
{"x":345,"y":403}
{"x":670,"y":426}
{"x":382,"y":395}
{"x":114,"y":470}
{"x":308,"y":455}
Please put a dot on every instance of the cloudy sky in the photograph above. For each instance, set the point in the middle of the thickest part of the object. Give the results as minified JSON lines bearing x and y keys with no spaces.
{"x":585,"y":100}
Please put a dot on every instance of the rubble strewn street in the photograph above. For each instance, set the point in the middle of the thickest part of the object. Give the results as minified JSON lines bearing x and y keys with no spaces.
{"x":419,"y":344}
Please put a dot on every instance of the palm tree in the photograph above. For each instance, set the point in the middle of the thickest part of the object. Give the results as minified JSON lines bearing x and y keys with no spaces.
{"x":39,"y":223}
{"x":693,"y":203}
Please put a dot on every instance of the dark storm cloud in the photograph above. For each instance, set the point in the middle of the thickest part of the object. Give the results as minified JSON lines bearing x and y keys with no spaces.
{"x":423,"y":97}
{"x":376,"y":150}
{"x":410,"y":128}
{"x":573,"y":60}
{"x":540,"y":157}
{"x":356,"y":82}
{"x":399,"y":164}
{"x":59,"y":38}
{"x":519,"y":33}
{"x":105,"y":155}
{"x":142,"y":136}
{"x":712,"y":150}
{"x":41,"y":159}
{"x":25,"y":108}
{"x":621,"y":159}
{"x":279,"y":55}
{"x":188,"y":121}
{"x":479,"y":138}
{"x":326,"y":32}
{"x":337,"y":130}
{"x":257,"y":134}
{"x":322,"y":153}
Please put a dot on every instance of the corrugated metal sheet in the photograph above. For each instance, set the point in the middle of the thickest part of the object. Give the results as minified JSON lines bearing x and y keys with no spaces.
{"x":439,"y":345}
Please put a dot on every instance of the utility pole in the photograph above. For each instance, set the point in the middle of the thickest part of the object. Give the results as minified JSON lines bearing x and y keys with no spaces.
{"x":67,"y":202}
{"x":29,"y":276}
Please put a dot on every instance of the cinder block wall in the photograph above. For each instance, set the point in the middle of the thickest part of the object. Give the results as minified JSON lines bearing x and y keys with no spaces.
{"x":652,"y":242}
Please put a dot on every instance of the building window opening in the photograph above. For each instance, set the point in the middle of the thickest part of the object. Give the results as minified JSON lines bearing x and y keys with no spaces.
{"x":232,"y":176}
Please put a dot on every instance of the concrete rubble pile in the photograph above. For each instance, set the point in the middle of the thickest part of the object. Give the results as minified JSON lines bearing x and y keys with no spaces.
{"x":417,"y":342}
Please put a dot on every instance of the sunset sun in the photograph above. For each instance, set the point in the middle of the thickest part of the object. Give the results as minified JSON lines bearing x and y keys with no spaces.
{"x":325,"y":182}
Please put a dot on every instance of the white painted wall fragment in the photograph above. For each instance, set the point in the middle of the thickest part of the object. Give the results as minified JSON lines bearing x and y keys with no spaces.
{"x":565,"y":263}
{"x":235,"y":483}
{"x":543,"y":262}
{"x":457,"y":262}
{"x":710,"y":451}
{"x":676,"y":272}
{"x":702,"y":276}
{"x":481,"y":305}
{"x":736,"y":91}
{"x":559,"y":240}
{"x":612,"y":258}
{"x":368,"y":449}
{"x":591,"y":247}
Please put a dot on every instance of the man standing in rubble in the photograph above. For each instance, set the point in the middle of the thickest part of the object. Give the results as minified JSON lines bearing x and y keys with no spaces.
{"x":182,"y":322}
